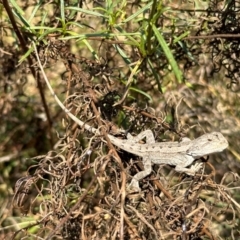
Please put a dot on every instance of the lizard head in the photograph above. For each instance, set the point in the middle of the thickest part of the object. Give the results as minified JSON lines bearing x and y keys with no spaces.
{"x":207,"y":144}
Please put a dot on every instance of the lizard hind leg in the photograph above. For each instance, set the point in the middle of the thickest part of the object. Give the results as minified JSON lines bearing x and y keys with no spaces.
{"x":148,"y":134}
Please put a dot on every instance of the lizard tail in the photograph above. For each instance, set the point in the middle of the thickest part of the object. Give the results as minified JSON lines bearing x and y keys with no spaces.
{"x":67,"y":111}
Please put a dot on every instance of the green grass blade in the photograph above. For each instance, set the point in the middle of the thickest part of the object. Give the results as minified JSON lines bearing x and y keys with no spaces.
{"x":169,"y":55}
{"x":96,"y":14}
{"x":62,"y":12}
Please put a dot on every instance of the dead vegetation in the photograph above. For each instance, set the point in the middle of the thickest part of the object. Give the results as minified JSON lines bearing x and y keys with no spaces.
{"x":71,"y":184}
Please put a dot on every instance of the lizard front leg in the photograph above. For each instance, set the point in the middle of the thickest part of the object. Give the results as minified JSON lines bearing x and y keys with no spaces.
{"x":147,"y":164}
{"x":186,"y":161}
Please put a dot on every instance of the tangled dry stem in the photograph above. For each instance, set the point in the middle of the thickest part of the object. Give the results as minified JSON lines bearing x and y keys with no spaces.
{"x":79,"y":188}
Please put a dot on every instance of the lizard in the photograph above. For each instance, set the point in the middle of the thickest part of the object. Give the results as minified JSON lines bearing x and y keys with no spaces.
{"x":179,"y":154}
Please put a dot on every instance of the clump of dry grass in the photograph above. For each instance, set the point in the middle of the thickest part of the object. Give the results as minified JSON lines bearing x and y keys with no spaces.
{"x":71,"y":184}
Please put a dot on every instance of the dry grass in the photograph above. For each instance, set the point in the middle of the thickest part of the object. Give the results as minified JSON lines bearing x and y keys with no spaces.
{"x":71,"y":184}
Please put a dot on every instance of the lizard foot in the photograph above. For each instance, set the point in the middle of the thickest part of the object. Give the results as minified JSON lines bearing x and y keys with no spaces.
{"x":134,"y":186}
{"x":196,"y":167}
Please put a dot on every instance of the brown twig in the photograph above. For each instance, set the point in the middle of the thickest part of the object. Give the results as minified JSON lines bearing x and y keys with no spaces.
{"x":30,"y":62}
{"x":213,"y":36}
